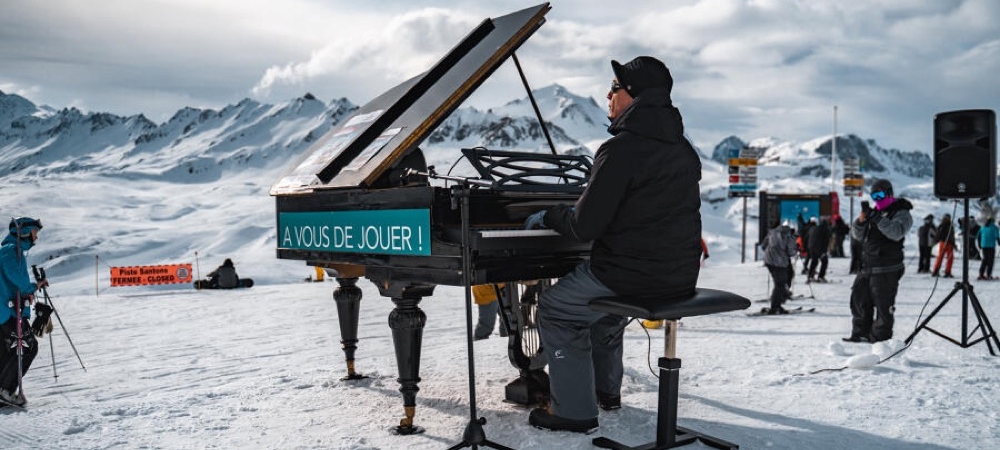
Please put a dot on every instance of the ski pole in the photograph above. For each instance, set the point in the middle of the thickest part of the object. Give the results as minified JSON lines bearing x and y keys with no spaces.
{"x":40,"y":275}
{"x":52,"y":346}
{"x":20,"y":346}
{"x":18,"y":309}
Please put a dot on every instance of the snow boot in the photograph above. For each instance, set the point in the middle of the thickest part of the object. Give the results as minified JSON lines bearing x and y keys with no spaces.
{"x":13,"y":398}
{"x":542,"y":418}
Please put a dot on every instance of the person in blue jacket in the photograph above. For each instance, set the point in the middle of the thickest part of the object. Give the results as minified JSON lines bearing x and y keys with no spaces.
{"x":16,"y":289}
{"x":989,"y":235}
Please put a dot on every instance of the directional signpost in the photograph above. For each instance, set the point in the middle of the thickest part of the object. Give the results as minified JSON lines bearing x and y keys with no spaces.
{"x":854,"y":181}
{"x":743,"y":182}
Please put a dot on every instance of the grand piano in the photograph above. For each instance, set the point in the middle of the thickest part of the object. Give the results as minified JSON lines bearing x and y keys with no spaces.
{"x":363,"y":202}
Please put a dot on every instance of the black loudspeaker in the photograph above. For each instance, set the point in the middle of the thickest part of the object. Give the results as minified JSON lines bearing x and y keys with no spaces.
{"x":965,"y":154}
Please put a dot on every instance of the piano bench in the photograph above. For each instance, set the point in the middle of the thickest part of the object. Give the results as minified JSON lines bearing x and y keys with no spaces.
{"x":703,"y":302}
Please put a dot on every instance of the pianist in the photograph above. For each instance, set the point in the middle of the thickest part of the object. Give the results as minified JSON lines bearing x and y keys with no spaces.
{"x":641,"y":210}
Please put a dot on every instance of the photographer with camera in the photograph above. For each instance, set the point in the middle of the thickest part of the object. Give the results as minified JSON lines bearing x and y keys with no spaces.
{"x":881,"y":232}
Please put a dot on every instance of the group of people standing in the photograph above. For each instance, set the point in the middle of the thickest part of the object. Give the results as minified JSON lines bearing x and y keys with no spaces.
{"x":982,"y":245}
{"x":818,"y":242}
{"x":879,"y":233}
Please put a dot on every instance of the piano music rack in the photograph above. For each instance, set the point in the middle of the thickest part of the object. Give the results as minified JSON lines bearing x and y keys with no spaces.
{"x":526,"y":171}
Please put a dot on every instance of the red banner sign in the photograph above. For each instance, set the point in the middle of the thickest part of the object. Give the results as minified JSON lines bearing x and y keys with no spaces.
{"x":145,"y":275}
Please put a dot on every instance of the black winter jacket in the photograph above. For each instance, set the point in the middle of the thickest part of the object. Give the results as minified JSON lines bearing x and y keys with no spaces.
{"x":818,"y":239}
{"x":882,"y":235}
{"x":945,"y":232}
{"x":642,"y":204}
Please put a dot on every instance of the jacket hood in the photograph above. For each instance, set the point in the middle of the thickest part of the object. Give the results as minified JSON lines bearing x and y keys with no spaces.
{"x":12,"y":240}
{"x":651,"y":115}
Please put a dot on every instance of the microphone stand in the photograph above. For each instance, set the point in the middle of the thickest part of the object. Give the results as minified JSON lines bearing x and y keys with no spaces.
{"x":474,"y":435}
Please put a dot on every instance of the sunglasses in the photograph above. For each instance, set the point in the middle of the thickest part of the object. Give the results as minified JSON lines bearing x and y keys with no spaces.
{"x":615,"y":87}
{"x":878,"y":195}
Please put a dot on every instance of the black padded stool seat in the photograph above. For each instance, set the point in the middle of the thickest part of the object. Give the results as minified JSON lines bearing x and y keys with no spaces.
{"x":703,"y":302}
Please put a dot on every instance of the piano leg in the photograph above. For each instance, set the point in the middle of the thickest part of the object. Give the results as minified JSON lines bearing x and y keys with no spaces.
{"x":407,"y":324}
{"x":348,"y":298}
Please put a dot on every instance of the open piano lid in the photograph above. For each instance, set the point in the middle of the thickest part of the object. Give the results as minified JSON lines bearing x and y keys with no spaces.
{"x":360,"y":149}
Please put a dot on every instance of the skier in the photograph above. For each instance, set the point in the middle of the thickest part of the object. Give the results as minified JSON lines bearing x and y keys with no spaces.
{"x":818,"y":245}
{"x":925,"y":240}
{"x":779,"y":248}
{"x":17,"y":295}
{"x":988,"y":236}
{"x":946,"y":246}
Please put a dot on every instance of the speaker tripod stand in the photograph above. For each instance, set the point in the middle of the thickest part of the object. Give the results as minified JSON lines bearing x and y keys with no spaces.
{"x":968,"y":299}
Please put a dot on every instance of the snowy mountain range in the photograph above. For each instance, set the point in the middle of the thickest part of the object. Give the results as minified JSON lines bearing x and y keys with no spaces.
{"x":180,"y":173}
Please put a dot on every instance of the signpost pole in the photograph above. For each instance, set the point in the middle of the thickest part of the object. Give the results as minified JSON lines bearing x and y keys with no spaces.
{"x":743,"y":246}
{"x":743,"y":183}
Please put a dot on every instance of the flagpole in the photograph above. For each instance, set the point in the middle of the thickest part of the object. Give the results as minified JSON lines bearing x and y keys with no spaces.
{"x":833,"y":154}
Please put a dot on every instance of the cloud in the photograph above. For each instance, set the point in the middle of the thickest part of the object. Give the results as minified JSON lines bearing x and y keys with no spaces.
{"x":408,"y":45}
{"x":748,"y":67}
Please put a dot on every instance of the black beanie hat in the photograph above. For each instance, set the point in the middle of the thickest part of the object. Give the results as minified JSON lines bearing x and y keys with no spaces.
{"x":642,"y":73}
{"x":882,"y":185}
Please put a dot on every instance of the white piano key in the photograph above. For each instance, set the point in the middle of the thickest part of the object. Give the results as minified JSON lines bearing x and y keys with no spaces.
{"x":488,"y":234}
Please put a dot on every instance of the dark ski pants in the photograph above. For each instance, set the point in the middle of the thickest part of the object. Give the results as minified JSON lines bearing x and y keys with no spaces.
{"x":487,"y":319}
{"x":986,"y":268}
{"x":583,"y":346}
{"x":873,"y":304}
{"x":856,"y":251}
{"x":822,"y":261}
{"x":924,"y":263}
{"x":8,"y":357}
{"x":782,"y":281}
{"x":838,"y":247}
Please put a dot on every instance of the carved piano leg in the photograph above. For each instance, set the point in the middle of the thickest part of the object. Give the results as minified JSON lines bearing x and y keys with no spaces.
{"x":407,"y":324}
{"x":348,"y":298}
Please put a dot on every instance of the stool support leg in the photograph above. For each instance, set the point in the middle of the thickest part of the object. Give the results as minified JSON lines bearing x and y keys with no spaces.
{"x":668,"y":434}
{"x":670,"y":339}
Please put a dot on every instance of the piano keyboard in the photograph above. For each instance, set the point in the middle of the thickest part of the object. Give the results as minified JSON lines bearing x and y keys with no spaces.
{"x":488,"y":234}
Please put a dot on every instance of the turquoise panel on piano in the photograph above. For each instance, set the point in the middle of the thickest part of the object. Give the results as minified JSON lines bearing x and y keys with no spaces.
{"x":383,"y":231}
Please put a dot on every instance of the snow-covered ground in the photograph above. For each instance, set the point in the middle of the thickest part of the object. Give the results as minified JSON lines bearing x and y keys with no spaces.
{"x":260,"y":368}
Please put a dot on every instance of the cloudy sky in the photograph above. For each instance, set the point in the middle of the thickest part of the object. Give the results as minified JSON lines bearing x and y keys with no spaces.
{"x":750,"y":68}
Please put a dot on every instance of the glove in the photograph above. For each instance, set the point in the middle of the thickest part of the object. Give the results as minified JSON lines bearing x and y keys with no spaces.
{"x":43,"y":322}
{"x":875,"y":217}
{"x":705,"y":257}
{"x":536,"y":220}
{"x":40,"y":329}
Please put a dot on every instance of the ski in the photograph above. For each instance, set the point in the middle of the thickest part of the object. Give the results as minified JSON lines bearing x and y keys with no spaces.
{"x":765,"y":311}
{"x":768,"y":300}
{"x":5,"y":403}
{"x":817,"y":281}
